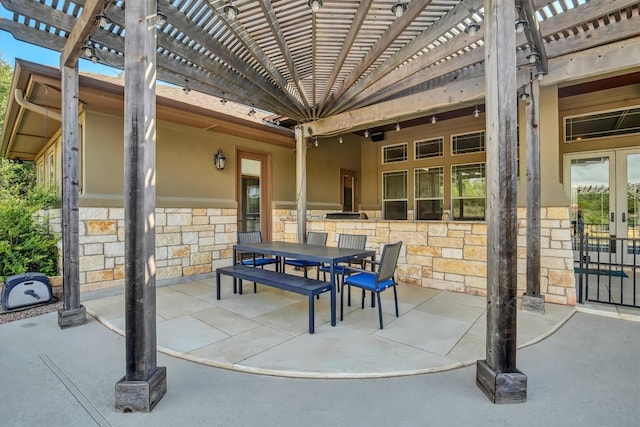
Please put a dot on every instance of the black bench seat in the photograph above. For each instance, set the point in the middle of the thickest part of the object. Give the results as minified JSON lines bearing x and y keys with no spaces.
{"x":287,"y":282}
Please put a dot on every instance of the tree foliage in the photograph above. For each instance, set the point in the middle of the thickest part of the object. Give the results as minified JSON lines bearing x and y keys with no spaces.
{"x":26,"y":242}
{"x":6,"y":74}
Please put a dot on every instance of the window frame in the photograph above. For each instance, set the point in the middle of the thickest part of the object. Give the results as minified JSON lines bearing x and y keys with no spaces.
{"x":417,"y":199}
{"x":483,"y":132}
{"x":418,"y":141}
{"x":451,"y":192}
{"x":406,"y":195}
{"x":383,"y":149}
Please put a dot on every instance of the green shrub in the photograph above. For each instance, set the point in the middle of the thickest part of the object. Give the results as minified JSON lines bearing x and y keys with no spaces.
{"x":26,"y":242}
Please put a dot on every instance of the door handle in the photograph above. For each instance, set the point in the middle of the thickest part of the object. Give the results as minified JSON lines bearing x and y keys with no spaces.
{"x":613,"y":216}
{"x":624,"y":217}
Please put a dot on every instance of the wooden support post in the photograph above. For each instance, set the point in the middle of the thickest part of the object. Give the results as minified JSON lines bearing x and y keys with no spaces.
{"x":497,"y":376}
{"x":144,"y":383}
{"x":301,"y":183}
{"x":532,"y":300}
{"x":72,"y":313}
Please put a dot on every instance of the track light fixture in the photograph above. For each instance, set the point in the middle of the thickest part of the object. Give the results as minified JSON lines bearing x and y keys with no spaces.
{"x":231,"y":11}
{"x":472,"y":29}
{"x":521,"y":24}
{"x":533,"y":57}
{"x":160,"y":19}
{"x":315,"y":5}
{"x":399,"y":9}
{"x":102,"y":20}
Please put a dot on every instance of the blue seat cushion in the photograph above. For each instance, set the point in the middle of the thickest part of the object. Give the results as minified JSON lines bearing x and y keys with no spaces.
{"x":301,"y":263}
{"x":367,"y":281}
{"x":259,"y":261}
{"x":338,"y":269}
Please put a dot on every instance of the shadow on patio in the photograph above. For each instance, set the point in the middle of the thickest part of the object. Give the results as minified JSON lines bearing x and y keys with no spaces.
{"x":267,"y":333}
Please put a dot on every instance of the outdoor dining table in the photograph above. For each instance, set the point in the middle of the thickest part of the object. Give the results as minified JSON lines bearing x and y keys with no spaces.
{"x":323,"y":254}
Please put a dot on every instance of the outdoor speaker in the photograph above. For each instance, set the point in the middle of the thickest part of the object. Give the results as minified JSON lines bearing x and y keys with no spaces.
{"x":22,"y":290}
{"x":377,"y":136}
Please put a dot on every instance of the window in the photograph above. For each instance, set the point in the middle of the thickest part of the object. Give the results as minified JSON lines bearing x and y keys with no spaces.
{"x":624,"y":121}
{"x":467,"y":143}
{"x":468,"y":191}
{"x":429,"y":188}
{"x":394,"y":195}
{"x":429,"y":148}
{"x":394,"y":153}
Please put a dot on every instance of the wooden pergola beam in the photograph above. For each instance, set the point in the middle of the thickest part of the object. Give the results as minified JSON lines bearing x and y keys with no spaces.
{"x":81,"y":30}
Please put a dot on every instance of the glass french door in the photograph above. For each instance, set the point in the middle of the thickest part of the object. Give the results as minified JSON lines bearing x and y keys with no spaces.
{"x":254,"y":196}
{"x":605,"y":193}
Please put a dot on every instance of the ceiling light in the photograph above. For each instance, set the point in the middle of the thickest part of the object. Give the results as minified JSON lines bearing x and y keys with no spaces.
{"x":533,"y":57}
{"x":103,"y":20}
{"x":161,"y":18}
{"x":472,"y":29}
{"x":315,"y":141}
{"x":540,"y":75}
{"x":252,"y":112}
{"x":398,"y":127}
{"x":315,"y":5}
{"x":223,"y":100}
{"x":88,"y":50}
{"x":340,"y":139}
{"x":476,"y":112}
{"x":521,"y":24}
{"x":524,"y":95}
{"x":277,"y":122}
{"x":186,"y":89}
{"x":399,"y":8}
{"x":366,"y":133}
{"x":231,"y":11}
{"x":434,"y":119}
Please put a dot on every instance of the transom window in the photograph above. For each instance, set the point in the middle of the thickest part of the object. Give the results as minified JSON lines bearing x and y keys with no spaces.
{"x":468,"y":191}
{"x":394,"y":195}
{"x":467,"y":143}
{"x":394,"y":153}
{"x":623,"y":121}
{"x":429,"y":188}
{"x":429,"y":148}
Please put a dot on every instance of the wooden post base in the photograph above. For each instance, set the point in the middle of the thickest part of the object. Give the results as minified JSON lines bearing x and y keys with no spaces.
{"x":74,"y":317}
{"x":141,"y":396}
{"x":506,"y":387}
{"x":534,"y":304}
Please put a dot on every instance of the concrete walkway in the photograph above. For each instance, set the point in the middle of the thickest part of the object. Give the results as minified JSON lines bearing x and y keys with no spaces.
{"x":267,"y":332}
{"x":585,"y":374}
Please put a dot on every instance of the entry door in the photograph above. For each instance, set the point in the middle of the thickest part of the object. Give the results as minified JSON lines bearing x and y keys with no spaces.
{"x":253,"y":195}
{"x":605,"y":188}
{"x":349,"y":188}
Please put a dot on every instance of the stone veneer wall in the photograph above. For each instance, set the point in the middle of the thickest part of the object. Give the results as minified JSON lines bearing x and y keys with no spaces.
{"x":188,"y":242}
{"x":453,"y":255}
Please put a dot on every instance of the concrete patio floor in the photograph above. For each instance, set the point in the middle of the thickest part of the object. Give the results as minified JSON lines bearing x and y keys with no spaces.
{"x":266,"y":332}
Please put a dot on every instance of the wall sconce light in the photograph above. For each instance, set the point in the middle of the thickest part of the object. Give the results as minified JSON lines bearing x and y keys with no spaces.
{"x":231,"y":11}
{"x":219,"y":159}
{"x":399,"y":8}
{"x":315,"y":5}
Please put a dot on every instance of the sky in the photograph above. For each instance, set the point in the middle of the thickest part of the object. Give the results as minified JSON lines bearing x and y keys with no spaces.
{"x":10,"y":49}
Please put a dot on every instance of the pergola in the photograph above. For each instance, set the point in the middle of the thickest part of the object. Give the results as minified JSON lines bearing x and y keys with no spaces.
{"x":327,"y":67}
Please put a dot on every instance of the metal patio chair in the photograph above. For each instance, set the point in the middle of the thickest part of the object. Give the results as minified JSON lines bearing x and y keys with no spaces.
{"x":349,"y":241}
{"x":313,"y":238}
{"x":253,"y":259}
{"x":374,"y":281}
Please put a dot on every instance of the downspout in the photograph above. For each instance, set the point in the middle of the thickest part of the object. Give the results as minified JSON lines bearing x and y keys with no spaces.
{"x":19,"y":97}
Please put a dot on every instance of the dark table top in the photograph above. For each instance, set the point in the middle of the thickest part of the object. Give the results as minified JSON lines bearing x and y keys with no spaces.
{"x":323,"y":254}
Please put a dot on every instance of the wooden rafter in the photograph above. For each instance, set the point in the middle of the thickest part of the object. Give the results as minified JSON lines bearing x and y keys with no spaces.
{"x":81,"y":30}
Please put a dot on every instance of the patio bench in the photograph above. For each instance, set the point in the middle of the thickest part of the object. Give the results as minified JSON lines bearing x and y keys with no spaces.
{"x":287,"y":282}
